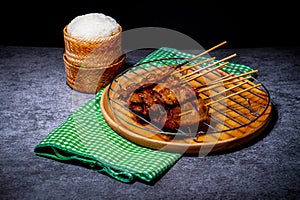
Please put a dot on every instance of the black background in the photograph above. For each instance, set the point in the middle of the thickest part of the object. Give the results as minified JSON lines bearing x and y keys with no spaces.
{"x":242,"y":24}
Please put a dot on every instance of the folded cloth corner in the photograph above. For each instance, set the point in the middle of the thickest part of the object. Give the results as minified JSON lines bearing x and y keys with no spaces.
{"x":87,"y":138}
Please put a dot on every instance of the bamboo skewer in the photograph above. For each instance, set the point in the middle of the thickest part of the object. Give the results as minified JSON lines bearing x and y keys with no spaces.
{"x":232,"y":77}
{"x":201,"y":54}
{"x":209,"y":66}
{"x":231,"y":95}
{"x":224,"y":84}
{"x":228,"y":89}
{"x":191,"y":66}
{"x":224,"y":77}
{"x":207,"y":51}
{"x":212,"y":69}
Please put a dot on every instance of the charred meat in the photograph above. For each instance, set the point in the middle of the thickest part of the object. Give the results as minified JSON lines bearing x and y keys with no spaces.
{"x":164,"y":102}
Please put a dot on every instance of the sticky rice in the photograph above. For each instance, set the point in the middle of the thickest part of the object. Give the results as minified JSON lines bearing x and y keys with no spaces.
{"x":93,"y":25}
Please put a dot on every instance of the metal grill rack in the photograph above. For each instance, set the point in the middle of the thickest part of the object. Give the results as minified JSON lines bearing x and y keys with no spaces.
{"x":235,"y":100}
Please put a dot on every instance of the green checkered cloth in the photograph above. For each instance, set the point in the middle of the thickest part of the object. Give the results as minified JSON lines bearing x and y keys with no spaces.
{"x":86,"y":138}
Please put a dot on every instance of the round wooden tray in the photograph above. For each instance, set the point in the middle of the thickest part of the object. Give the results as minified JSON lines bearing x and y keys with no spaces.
{"x":120,"y":121}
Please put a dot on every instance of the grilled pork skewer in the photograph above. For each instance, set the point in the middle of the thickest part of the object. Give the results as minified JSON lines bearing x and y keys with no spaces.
{"x":163,"y":100}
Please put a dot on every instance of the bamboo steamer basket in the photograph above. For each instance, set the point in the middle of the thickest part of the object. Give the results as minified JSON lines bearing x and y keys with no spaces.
{"x":90,"y":64}
{"x":91,"y":79}
{"x":106,"y":49}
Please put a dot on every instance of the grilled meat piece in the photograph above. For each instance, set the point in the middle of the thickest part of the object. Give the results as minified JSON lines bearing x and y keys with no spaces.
{"x":166,"y":103}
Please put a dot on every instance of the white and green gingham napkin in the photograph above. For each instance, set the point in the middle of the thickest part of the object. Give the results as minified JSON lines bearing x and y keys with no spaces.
{"x":86,"y":138}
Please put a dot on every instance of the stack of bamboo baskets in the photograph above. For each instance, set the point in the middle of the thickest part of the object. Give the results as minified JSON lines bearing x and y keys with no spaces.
{"x":91,"y":64}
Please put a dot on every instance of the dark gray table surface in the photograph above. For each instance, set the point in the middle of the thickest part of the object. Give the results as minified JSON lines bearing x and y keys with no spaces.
{"x":35,"y":100}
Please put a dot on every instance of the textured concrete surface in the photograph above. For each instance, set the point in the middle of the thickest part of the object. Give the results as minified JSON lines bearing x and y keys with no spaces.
{"x":35,"y":100}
